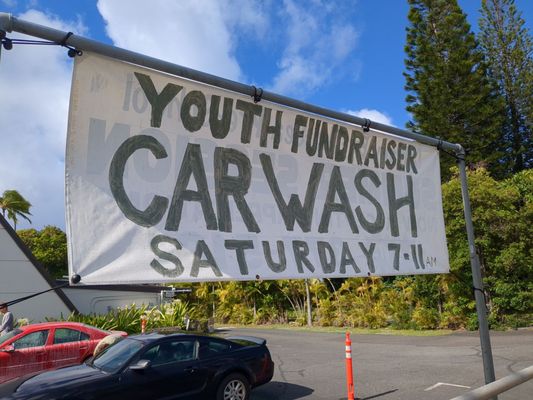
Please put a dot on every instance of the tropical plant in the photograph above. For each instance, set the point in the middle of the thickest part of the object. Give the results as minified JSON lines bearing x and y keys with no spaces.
{"x":129,"y":318}
{"x":293,"y":290}
{"x":360,"y":303}
{"x":399,"y":301}
{"x":173,"y":314}
{"x":99,"y":321}
{"x":205,"y":298}
{"x":233,"y":305}
{"x":13,"y":206}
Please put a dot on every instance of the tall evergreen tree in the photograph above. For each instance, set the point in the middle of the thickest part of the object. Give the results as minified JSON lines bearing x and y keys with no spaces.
{"x":508,"y":49}
{"x":450,"y":96}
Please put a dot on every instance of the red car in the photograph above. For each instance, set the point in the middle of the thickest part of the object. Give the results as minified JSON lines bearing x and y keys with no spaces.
{"x":48,"y":345}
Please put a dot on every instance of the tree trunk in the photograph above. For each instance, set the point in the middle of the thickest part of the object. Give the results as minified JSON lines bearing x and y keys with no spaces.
{"x":308,"y":295}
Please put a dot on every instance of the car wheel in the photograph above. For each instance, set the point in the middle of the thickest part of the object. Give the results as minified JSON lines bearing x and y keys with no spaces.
{"x":234,"y":387}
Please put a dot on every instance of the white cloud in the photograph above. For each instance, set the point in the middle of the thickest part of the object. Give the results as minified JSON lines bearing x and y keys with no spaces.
{"x":319,"y":42}
{"x":35,"y":85}
{"x":196,"y":34}
{"x":373,"y":115}
{"x":203,"y":35}
{"x":315,"y":38}
{"x":249,"y":18}
{"x":9,"y":3}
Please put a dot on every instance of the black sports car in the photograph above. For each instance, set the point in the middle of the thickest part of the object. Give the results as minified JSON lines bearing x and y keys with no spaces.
{"x":155,"y":366}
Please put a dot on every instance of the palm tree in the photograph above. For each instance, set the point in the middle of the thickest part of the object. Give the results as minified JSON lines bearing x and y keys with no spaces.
{"x":14,"y":205}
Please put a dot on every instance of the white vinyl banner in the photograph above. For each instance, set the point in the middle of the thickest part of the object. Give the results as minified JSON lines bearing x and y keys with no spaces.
{"x":172,"y":180}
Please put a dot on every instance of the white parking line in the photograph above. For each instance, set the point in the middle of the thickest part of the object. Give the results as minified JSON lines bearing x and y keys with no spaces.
{"x":436,"y":385}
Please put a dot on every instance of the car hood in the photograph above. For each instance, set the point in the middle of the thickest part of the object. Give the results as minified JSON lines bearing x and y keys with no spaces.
{"x":59,"y":379}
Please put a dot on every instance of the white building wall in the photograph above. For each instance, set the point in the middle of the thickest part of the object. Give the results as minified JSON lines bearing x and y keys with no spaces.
{"x":101,"y":301}
{"x":19,"y":278}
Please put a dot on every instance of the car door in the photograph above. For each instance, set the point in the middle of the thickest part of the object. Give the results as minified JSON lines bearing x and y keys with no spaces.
{"x":6,"y":348}
{"x":214,"y":354}
{"x":29,"y":354}
{"x":174,"y":372}
{"x":68,"y":347}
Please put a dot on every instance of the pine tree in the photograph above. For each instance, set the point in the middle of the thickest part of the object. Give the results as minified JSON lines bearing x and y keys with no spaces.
{"x":450,"y":96}
{"x":508,"y":49}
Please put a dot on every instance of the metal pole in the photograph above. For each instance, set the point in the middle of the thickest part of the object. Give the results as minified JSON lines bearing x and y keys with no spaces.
{"x":499,"y":386}
{"x":8,"y":23}
{"x":481,"y":307}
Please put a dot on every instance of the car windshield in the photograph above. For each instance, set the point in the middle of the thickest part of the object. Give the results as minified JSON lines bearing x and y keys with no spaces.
{"x":116,"y":356}
{"x":9,"y":335}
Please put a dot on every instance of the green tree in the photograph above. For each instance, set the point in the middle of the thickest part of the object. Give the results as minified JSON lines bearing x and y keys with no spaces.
{"x":502,"y":213}
{"x":294,"y":292}
{"x":13,"y":205}
{"x":49,"y":246}
{"x":508,"y":49}
{"x":361,"y":303}
{"x":449,"y":94}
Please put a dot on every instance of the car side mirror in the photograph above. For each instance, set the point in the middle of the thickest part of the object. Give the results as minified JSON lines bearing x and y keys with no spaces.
{"x":141,"y":365}
{"x":8,"y":349}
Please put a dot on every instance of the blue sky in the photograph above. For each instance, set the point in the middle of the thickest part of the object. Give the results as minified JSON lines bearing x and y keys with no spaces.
{"x":343,"y":55}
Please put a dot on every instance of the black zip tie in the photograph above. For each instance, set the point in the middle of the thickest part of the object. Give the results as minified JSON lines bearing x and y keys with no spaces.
{"x":484,"y":297}
{"x":258,"y":93}
{"x":64,"y":41}
{"x":72,"y":52}
{"x":6,"y":42}
{"x":457,"y":158}
{"x":440,"y":148}
{"x":366,"y":125}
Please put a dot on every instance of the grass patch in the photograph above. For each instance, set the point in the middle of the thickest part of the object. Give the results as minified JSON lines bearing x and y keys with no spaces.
{"x":353,"y":331}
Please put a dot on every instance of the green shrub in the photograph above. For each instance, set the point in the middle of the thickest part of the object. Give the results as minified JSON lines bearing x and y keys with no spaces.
{"x":326,"y":312}
{"x":128,"y":319}
{"x":425,"y":318}
{"x":171,"y":315}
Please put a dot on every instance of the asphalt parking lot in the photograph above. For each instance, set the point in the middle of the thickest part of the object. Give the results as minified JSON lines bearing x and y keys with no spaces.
{"x":311,"y":365}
